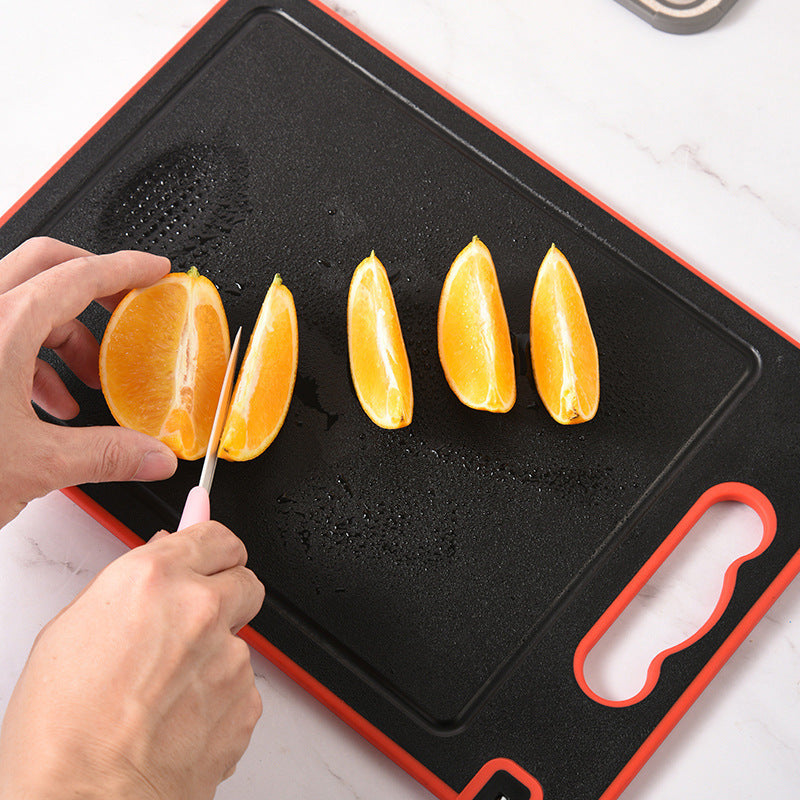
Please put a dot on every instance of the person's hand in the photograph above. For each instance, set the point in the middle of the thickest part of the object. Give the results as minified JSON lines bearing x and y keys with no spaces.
{"x":139,"y":688}
{"x":44,"y":285}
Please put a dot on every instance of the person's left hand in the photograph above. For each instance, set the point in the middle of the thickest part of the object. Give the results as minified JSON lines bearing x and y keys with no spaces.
{"x":44,"y":285}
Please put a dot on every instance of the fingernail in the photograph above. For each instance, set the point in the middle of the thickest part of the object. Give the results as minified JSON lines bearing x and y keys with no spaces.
{"x":155,"y":466}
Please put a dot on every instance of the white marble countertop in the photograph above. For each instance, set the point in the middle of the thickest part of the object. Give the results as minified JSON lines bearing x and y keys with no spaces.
{"x":692,"y":138}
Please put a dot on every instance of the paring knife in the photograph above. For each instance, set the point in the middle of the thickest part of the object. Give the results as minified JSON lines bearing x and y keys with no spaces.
{"x":198,"y":504}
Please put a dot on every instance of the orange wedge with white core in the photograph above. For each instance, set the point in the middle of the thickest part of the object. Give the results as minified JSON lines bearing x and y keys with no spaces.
{"x":474,"y":339}
{"x":162,"y":360}
{"x":563,"y":348}
{"x":378,"y":359}
{"x":264,"y":386}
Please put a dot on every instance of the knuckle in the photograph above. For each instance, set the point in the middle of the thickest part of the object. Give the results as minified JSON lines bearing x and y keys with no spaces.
{"x":250,"y":591}
{"x":113,"y":460}
{"x":241,"y":656}
{"x":148,"y":569}
{"x":201,"y":534}
{"x":214,"y":531}
{"x":123,"y":263}
{"x":224,"y":530}
{"x":18,"y":305}
{"x":37,"y":248}
{"x":210,"y":530}
{"x":203,"y":609}
{"x":230,"y":769}
{"x":237,"y":547}
{"x":81,"y":262}
{"x":84,"y":269}
{"x":26,"y":309}
{"x":253,"y":585}
{"x":196,"y":540}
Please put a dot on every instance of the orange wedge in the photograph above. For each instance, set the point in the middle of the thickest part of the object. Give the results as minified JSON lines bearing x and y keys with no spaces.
{"x":474,"y":340}
{"x":163,"y":358}
{"x":563,"y":349}
{"x":264,"y":386}
{"x":378,"y":359}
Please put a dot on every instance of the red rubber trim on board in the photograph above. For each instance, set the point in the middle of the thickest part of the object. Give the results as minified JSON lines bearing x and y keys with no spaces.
{"x":506,"y":765}
{"x":721,"y":492}
{"x":704,"y":677}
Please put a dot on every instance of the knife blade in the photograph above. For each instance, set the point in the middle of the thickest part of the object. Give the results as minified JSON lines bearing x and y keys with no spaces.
{"x":198,"y":503}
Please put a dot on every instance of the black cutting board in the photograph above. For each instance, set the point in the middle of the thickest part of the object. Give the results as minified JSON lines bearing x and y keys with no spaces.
{"x":438,"y":578}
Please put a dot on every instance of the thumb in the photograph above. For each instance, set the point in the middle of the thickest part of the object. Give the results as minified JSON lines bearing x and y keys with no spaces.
{"x":108,"y":453}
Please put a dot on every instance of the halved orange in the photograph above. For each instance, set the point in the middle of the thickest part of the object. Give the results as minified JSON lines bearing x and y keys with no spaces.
{"x":563,"y":349}
{"x":474,"y":340}
{"x":163,"y":358}
{"x":264,"y":386}
{"x":378,"y":359}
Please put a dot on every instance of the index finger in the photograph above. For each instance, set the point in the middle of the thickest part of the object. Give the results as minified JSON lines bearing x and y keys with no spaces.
{"x":59,"y":294}
{"x":34,"y":256}
{"x":206,"y":548}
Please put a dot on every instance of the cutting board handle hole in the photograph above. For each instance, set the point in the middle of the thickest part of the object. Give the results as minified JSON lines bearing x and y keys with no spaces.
{"x":677,"y":596}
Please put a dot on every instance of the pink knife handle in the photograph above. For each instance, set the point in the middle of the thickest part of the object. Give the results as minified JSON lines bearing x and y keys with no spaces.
{"x":196,"y":509}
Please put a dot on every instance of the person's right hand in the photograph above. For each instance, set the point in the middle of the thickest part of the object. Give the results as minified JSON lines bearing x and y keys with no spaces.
{"x":140,"y":687}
